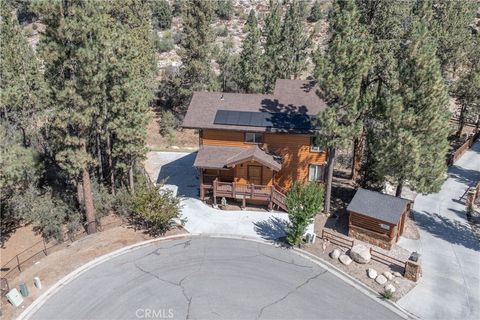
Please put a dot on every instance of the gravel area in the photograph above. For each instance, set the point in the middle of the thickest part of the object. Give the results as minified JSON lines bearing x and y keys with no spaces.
{"x":359,"y":271}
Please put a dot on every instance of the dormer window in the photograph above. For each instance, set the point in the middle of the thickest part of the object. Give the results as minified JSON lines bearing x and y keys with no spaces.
{"x":253,"y":137}
{"x":314,"y":146}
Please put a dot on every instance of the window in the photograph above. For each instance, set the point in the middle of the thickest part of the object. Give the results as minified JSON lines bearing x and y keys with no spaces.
{"x":253,"y":137}
{"x":314,"y":146}
{"x":316,"y":172}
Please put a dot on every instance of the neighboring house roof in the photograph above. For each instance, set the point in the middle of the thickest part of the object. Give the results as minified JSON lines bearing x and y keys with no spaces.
{"x":292,"y":105}
{"x":218,"y":157}
{"x":377,"y":205}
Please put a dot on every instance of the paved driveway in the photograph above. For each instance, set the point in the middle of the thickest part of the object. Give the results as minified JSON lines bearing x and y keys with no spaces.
{"x":176,"y":168}
{"x":210,"y":278}
{"x":450,"y":286}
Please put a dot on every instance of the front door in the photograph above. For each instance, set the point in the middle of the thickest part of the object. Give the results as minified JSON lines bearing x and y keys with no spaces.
{"x":255,"y":174}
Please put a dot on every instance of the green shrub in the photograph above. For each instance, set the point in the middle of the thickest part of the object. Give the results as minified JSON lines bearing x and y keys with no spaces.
{"x":303,"y":202}
{"x":168,"y":124}
{"x":224,"y":9}
{"x":156,"y":209}
{"x":165,"y":43}
{"x":387,"y":294}
{"x":315,"y":12}
{"x":161,"y":14}
{"x":221,"y":31}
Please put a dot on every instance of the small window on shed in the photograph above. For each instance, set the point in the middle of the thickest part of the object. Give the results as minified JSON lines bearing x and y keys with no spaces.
{"x":253,"y":137}
{"x":384,"y":226}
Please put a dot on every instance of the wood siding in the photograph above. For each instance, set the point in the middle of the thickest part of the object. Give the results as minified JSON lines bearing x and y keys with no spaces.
{"x":294,"y":149}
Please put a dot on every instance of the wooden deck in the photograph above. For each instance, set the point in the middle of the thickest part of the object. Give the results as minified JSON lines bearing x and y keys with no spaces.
{"x":275,"y":196}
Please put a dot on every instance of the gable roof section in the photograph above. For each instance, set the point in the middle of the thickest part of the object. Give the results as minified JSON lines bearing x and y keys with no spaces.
{"x":256,"y":154}
{"x":289,"y":109}
{"x":218,"y":157}
{"x":377,"y":205}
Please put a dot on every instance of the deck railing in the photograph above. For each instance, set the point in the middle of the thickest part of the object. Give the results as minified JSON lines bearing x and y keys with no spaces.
{"x":236,"y":190}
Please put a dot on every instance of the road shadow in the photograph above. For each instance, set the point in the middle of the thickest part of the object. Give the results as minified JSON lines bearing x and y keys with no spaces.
{"x":441,"y":227}
{"x":181,"y":173}
{"x":271,"y":229}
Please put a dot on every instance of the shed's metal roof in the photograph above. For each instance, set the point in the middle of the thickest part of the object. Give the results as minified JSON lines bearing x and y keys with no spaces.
{"x":378,"y":205}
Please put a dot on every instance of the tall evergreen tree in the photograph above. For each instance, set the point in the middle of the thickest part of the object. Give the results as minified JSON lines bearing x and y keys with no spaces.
{"x":130,"y":85}
{"x":341,"y":73}
{"x":467,"y":89}
{"x":451,"y":28}
{"x":229,"y":63}
{"x":294,"y":42}
{"x":250,"y":57}
{"x":21,"y":85}
{"x":272,"y":46}
{"x":70,"y":49}
{"x":417,"y":128}
{"x":196,"y":72}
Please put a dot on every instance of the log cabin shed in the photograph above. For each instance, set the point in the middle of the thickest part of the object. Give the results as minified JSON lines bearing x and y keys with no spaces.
{"x":377,"y":218}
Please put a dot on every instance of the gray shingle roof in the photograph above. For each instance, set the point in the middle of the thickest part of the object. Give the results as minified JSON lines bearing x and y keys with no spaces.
{"x":218,"y":157}
{"x":291,"y":98}
{"x":378,"y":205}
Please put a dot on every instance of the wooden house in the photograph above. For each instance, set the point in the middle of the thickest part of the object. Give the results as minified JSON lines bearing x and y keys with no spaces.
{"x":253,"y":147}
{"x":377,"y":218}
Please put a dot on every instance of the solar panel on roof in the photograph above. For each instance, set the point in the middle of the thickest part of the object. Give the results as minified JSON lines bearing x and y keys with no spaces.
{"x":263,"y":119}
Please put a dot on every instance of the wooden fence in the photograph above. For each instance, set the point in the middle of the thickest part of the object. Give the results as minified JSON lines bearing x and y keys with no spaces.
{"x":463,"y":148}
{"x":348,"y":243}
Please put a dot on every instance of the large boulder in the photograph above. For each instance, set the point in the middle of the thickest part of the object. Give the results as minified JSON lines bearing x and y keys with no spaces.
{"x":345,"y":259}
{"x":388,"y":275}
{"x":372,"y":273}
{"x":335,"y":254}
{"x":360,"y":254}
{"x":381,"y":279}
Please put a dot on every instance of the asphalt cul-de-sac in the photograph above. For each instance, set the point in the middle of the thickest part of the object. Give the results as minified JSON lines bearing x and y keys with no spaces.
{"x":210,"y":278}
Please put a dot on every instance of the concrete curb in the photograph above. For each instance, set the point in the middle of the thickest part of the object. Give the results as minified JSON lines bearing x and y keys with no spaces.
{"x":37,"y":303}
{"x":372,"y":294}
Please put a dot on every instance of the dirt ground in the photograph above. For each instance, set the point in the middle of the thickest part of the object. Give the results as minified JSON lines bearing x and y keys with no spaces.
{"x":185,"y":139}
{"x":56,"y":265}
{"x":22,"y":239}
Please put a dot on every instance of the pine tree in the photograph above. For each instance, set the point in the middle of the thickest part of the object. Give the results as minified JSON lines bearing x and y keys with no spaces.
{"x":130,"y":86}
{"x":416,"y":129}
{"x":451,"y":28}
{"x":315,"y":12}
{"x":272,"y":45}
{"x":294,"y":41}
{"x":161,"y":14}
{"x":341,"y":73}
{"x":229,"y":64}
{"x":467,"y":89}
{"x":196,"y":72}
{"x":250,"y":63}
{"x":71,"y":49}
{"x":21,"y":85}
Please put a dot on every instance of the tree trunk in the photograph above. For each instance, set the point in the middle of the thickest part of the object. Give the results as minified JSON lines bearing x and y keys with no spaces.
{"x":79,"y":186}
{"x":100,"y":161}
{"x":110,"y":164}
{"x":328,"y":193}
{"x":88,"y":201}
{"x":398,"y":192}
{"x":358,"y":150}
{"x":461,"y":121}
{"x":130,"y":179}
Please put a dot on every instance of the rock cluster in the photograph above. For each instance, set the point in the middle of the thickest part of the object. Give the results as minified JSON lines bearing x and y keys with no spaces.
{"x":360,"y":254}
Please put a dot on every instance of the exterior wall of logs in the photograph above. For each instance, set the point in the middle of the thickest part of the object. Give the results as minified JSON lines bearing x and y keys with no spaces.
{"x":377,"y":232}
